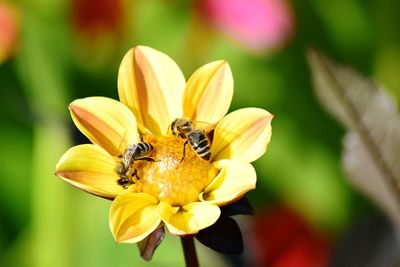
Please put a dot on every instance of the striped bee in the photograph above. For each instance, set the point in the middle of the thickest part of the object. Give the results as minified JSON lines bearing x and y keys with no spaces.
{"x":195,"y":135}
{"x":137,"y":152}
{"x":134,"y":152}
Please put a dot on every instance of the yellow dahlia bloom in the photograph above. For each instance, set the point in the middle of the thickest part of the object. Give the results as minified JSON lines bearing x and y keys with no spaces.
{"x":182,"y":193}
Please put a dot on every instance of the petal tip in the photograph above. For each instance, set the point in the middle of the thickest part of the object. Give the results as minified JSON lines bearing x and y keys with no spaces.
{"x":142,"y":49}
{"x":222,"y":62}
{"x":131,"y":50}
{"x":119,"y":240}
{"x":225,"y":62}
{"x":139,"y":47}
{"x":75,"y":105}
{"x":72,"y":106}
{"x":223,"y":65}
{"x":268,"y":117}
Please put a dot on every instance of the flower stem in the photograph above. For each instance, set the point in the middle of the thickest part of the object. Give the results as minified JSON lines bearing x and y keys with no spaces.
{"x":189,"y":251}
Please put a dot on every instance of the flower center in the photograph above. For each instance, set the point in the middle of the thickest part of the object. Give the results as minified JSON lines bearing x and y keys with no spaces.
{"x":169,"y":178}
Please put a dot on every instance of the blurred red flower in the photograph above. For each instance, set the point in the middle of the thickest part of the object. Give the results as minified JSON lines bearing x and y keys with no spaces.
{"x":282,"y":238}
{"x":9,"y":30}
{"x":258,"y":25}
{"x":100,"y":30}
{"x":94,"y":17}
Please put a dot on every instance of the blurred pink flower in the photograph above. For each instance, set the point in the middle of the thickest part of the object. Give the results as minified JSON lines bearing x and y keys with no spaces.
{"x":258,"y":25}
{"x":9,"y":30}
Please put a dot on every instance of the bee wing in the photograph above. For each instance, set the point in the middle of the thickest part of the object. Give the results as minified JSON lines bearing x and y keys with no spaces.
{"x":206,"y":126}
{"x":124,"y":144}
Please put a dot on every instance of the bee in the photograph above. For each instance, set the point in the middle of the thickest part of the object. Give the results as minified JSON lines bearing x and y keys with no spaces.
{"x":194,"y":134}
{"x":136,"y":152}
{"x":133,"y":153}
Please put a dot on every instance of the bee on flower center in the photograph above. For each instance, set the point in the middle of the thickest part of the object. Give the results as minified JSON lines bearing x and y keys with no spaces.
{"x":125,"y":170}
{"x":195,"y":136}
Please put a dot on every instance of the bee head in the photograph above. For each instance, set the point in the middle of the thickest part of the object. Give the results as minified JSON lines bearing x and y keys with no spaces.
{"x":173,"y":125}
{"x":184,"y":125}
{"x":121,"y":169}
{"x":181,"y":126}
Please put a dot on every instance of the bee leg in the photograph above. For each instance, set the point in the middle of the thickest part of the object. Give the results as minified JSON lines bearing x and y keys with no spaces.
{"x":134,"y":174}
{"x":129,"y":173}
{"x":146,"y":159}
{"x":125,"y":186}
{"x":184,"y":151}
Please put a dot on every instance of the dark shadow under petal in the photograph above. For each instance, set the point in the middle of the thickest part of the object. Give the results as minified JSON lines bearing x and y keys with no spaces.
{"x":223,"y":236}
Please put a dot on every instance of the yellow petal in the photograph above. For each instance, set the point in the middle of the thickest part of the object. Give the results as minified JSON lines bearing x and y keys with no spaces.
{"x":133,"y":216}
{"x":90,"y":168}
{"x":233,"y":181}
{"x":208,"y":94}
{"x":189,"y":219}
{"x":106,"y":122}
{"x":151,"y":85}
{"x":243,"y":134}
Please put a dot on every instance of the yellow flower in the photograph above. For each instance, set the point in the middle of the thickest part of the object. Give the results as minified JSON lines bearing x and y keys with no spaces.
{"x":177,"y":189}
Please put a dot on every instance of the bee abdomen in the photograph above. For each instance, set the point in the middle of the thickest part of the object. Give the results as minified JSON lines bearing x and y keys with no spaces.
{"x":202,"y":148}
{"x":204,"y":152}
{"x":143,"y":149}
{"x":200,"y":144}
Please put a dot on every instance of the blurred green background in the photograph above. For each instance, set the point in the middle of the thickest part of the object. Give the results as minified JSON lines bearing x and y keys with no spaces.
{"x":60,"y":56}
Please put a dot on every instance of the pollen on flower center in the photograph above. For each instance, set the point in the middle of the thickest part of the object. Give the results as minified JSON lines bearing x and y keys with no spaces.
{"x":168,"y":178}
